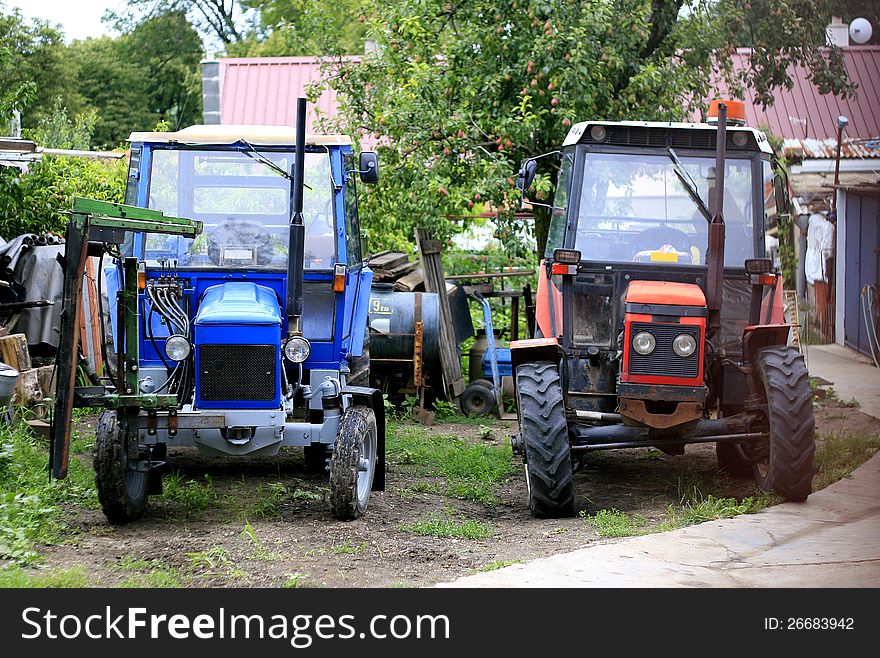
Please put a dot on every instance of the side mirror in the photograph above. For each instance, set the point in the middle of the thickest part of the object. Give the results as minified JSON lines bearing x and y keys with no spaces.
{"x":526,"y":175}
{"x":368,"y":167}
{"x":783,"y":204}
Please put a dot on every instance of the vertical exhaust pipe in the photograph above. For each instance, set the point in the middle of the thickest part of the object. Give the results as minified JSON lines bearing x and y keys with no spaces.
{"x":296,"y":238}
{"x":715,"y":257}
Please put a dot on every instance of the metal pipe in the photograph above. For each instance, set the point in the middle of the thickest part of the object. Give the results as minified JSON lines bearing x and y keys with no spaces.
{"x":721,"y":438}
{"x":599,"y":416}
{"x":296,"y":242}
{"x":715,"y":256}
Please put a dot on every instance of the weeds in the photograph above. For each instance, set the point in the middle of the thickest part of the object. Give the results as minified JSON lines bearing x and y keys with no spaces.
{"x":838,"y":455}
{"x":349,"y":549}
{"x":434,"y":526}
{"x":29,"y":501}
{"x":211,"y":559}
{"x":297,"y":579}
{"x":16,"y":577}
{"x":495,"y":565}
{"x":471,"y":471}
{"x":193,"y":495}
{"x":614,"y":523}
{"x":268,"y":503}
{"x":161,"y":577}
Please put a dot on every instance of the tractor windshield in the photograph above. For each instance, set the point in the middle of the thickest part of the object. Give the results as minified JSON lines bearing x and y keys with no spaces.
{"x":245,"y":207}
{"x":633,"y":208}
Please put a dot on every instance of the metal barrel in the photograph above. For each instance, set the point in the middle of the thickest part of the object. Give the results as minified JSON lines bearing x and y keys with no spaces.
{"x":8,"y":379}
{"x":393,"y":320}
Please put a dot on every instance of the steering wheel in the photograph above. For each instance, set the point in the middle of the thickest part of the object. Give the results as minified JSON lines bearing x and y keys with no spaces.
{"x":243,"y":236}
{"x":655,"y":238}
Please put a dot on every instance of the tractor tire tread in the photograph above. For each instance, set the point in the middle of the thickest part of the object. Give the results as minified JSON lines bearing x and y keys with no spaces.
{"x":544,"y":432}
{"x":792,"y":426}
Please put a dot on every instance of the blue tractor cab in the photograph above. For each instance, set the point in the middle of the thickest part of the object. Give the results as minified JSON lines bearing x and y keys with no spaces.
{"x":250,"y":336}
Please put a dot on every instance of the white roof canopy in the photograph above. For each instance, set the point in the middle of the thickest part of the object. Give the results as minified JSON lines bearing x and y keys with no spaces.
{"x":231,"y":134}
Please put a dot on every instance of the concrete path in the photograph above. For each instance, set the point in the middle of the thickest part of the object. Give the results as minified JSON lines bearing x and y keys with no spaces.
{"x":832,"y":540}
{"x":850,"y":374}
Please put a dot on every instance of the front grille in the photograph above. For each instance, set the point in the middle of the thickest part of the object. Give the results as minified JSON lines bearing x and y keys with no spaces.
{"x":663,"y":362}
{"x":237,"y":372}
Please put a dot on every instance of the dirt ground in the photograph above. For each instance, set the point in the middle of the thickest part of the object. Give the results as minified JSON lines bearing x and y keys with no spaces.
{"x":300,"y":544}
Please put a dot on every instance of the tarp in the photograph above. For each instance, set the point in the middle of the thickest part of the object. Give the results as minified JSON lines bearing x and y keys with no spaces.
{"x":39,"y":272}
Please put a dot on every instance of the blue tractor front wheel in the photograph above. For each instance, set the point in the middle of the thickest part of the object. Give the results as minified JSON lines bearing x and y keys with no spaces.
{"x":353,"y":464}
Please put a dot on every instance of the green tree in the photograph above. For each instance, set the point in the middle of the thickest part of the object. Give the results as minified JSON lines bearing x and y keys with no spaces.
{"x":138,"y":79}
{"x":462,"y":90}
{"x":40,"y":200}
{"x":33,"y":68}
{"x":298,"y":27}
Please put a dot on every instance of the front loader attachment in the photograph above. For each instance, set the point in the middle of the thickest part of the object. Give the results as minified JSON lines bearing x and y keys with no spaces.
{"x":94,"y":225}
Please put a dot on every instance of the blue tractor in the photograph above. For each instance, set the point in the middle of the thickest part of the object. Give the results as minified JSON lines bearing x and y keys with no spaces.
{"x":239,"y":330}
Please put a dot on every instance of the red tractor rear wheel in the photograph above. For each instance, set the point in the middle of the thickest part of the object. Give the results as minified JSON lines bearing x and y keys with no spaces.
{"x":787,"y":467}
{"x":544,"y":436}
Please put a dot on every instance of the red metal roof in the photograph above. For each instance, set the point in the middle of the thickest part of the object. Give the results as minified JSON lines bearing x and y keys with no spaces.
{"x":803,"y":113}
{"x":263,"y":90}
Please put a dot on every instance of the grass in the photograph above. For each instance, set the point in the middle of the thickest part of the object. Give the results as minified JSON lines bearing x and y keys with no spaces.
{"x":614,"y":523}
{"x":349,"y":548}
{"x":161,"y":577}
{"x":495,"y":565}
{"x":31,"y":503}
{"x":268,"y":502}
{"x":16,"y":577}
{"x":297,"y":579}
{"x":150,"y":573}
{"x":693,"y":508}
{"x":435,"y":526}
{"x":471,"y":471}
{"x":194,"y":496}
{"x":838,"y":455}
{"x":210,"y":559}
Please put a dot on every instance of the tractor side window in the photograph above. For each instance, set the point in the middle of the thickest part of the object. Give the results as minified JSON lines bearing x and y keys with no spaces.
{"x":352,"y":222}
{"x":771,"y":215}
{"x":556,"y":233}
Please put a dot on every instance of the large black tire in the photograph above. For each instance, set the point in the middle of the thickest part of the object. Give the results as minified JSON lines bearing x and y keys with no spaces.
{"x":788,"y":466}
{"x":122,"y":489}
{"x":477,"y":400}
{"x":544,"y":435}
{"x":353,"y":465}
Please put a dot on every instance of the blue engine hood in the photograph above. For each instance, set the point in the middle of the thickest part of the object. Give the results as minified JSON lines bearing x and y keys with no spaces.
{"x":238,"y":302}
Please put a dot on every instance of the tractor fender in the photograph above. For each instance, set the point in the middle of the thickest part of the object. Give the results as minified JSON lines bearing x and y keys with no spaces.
{"x":533,"y":349}
{"x":373,"y":398}
{"x":759,"y":336}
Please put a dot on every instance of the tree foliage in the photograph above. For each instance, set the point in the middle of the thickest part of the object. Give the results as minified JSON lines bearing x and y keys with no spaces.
{"x":38,"y":201}
{"x":462,"y":90}
{"x":33,"y":68}
{"x":138,"y":79}
{"x":296,"y":27}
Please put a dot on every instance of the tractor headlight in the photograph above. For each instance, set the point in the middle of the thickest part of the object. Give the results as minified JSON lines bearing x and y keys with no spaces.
{"x":644,"y":342}
{"x":297,"y":349}
{"x":684,"y":345}
{"x":178,"y":348}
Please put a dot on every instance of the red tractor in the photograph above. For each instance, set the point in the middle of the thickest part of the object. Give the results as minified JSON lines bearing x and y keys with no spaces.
{"x":660,"y":316}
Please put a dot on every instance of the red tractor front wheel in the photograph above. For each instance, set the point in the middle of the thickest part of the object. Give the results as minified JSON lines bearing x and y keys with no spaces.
{"x":544,"y":437}
{"x":786,"y":463}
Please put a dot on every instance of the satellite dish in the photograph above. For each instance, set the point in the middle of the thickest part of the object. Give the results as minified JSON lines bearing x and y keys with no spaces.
{"x":860,"y":30}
